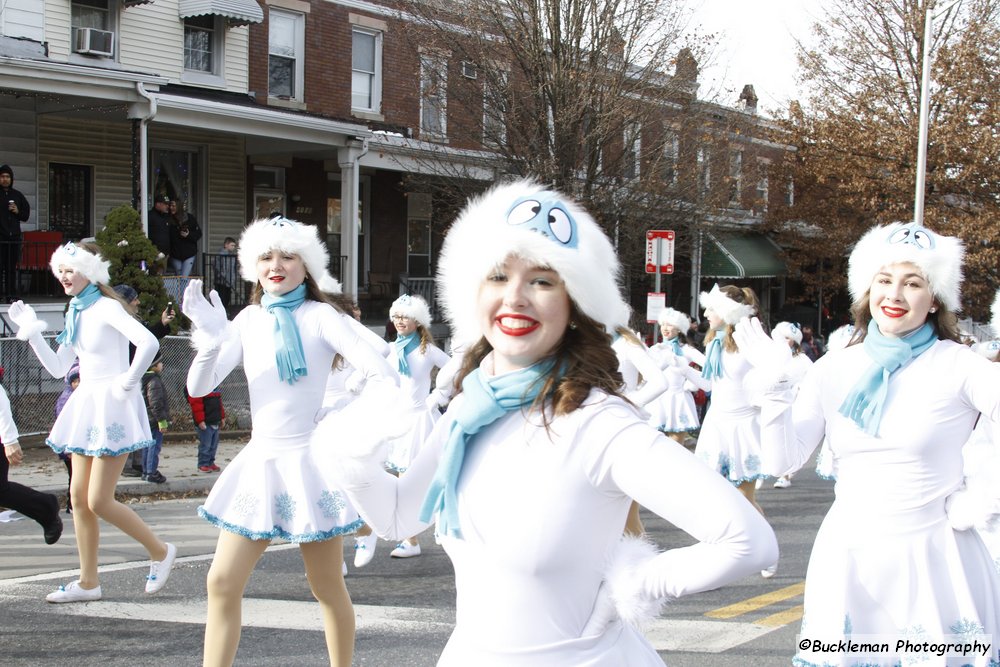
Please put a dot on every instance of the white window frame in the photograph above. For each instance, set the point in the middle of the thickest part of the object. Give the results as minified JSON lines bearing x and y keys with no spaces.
{"x":735,"y":177}
{"x":495,"y":122}
{"x":375,"y":79}
{"x":671,"y":153}
{"x":704,"y":173}
{"x":215,"y":76}
{"x":763,"y":184}
{"x":434,"y":63}
{"x":113,"y":26}
{"x":298,"y":71}
{"x":632,"y":142}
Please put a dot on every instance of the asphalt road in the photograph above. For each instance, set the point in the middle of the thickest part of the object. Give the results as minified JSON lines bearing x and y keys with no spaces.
{"x":405,"y":608}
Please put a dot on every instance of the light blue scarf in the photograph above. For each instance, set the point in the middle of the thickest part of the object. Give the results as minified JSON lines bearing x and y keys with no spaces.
{"x":287,"y":341}
{"x":713,"y":358}
{"x":486,"y":400}
{"x":87,"y":297}
{"x":864,"y":402}
{"x":676,"y":347}
{"x":404,"y":345}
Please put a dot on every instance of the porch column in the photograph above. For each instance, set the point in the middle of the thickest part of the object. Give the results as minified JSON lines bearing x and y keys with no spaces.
{"x":348,"y":157}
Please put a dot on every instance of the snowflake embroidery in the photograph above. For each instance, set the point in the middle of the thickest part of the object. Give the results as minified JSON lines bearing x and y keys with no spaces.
{"x":246,"y":504}
{"x":284,"y":506}
{"x":116,"y":432}
{"x":848,"y":628}
{"x":93,"y":435}
{"x":967,"y":627}
{"x":752,"y":463}
{"x":331,"y":504}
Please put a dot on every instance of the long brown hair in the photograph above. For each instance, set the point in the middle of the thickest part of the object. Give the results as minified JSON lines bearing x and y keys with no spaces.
{"x":944,"y":322}
{"x":583,"y":358}
{"x":743,"y":295}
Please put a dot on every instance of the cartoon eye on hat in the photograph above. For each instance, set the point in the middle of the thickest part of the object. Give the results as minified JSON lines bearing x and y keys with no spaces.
{"x":71,"y":248}
{"x":546,"y":215}
{"x":913,"y":234}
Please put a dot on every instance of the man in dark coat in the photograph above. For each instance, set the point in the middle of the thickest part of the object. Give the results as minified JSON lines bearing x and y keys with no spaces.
{"x":159,"y":224}
{"x":13,"y":211}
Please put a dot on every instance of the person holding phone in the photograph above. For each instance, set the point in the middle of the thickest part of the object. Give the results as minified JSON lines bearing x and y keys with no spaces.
{"x":15,"y":211}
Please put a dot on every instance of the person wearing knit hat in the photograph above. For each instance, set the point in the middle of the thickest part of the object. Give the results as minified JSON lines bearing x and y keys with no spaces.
{"x":729,"y":441}
{"x":530,"y":472}
{"x":14,"y":209}
{"x":105,"y":417}
{"x":896,"y":406}
{"x":674,"y":412}
{"x":287,"y":340}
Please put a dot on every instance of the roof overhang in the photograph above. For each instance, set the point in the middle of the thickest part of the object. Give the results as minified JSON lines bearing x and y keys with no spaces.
{"x":397,"y":153}
{"x":741,"y":255}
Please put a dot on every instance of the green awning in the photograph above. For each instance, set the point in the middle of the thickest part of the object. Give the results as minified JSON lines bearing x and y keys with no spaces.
{"x":736,"y":255}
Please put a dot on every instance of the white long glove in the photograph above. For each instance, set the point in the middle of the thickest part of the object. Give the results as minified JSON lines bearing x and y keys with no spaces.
{"x":760,"y":349}
{"x":28,"y":324}
{"x":208,"y":318}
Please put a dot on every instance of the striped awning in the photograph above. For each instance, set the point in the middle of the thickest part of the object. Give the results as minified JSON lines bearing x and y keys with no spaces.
{"x":134,"y":3}
{"x":236,"y":12}
{"x":741,"y":255}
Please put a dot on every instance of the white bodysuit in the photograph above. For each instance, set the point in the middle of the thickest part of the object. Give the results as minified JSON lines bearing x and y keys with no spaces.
{"x":674,"y":411}
{"x":274,"y":487}
{"x":417,"y":387}
{"x":539,"y":510}
{"x":94,"y":422}
{"x":886,"y":562}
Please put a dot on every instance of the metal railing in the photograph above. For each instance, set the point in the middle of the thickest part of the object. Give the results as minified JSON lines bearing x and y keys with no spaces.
{"x":33,"y":391}
{"x":24,"y":266}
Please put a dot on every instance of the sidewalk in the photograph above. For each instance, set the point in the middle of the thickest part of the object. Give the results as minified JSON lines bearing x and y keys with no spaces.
{"x":43,"y":471}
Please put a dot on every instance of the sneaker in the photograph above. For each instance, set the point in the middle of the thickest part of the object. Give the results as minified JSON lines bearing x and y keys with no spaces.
{"x":205,"y":469}
{"x":759,"y":483}
{"x":782,"y":483}
{"x":769,"y":572}
{"x":128,"y":471}
{"x":159,"y":570}
{"x":156,"y":478}
{"x":215,"y":468}
{"x":72,"y":592}
{"x":343,"y":568}
{"x":405,"y":550}
{"x":364,"y":549}
{"x":53,"y":529}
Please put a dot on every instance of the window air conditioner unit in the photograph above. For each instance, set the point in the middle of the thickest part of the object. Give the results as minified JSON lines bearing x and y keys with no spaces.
{"x":94,"y":42}
{"x":469,"y":70}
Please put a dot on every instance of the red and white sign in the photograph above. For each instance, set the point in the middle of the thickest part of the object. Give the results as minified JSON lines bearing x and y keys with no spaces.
{"x":655,"y":302}
{"x":660,"y":249}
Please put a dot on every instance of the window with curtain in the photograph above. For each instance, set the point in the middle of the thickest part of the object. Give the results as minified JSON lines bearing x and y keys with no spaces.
{"x":286,"y":45}
{"x":366,"y":70}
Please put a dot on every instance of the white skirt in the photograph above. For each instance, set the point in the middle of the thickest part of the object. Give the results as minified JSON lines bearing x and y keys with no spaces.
{"x":673,"y":412}
{"x":95,"y":423}
{"x":277,"y":488}
{"x":729,"y":443}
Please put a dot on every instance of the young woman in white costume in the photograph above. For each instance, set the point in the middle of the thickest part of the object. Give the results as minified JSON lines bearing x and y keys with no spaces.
{"x":790,"y":334}
{"x":105,"y":417}
{"x":540,"y":449}
{"x":674,"y":412}
{"x":415,"y":356}
{"x":894,"y":556}
{"x":286,"y":341}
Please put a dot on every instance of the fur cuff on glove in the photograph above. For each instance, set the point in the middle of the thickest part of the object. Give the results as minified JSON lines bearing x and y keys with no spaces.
{"x":969,"y":509}
{"x":624,"y":579}
{"x":203,"y":341}
{"x":29,"y":331}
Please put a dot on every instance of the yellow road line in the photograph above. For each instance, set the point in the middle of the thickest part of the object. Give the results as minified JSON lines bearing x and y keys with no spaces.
{"x":782,"y":618}
{"x":758,"y":602}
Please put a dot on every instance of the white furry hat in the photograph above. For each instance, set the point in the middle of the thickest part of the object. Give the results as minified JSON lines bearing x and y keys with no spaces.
{"x":674,"y":318}
{"x":839,"y":338}
{"x":524,"y":219}
{"x":413,"y":307}
{"x":995,"y":315}
{"x":93,"y":267}
{"x":783,"y":331}
{"x":988,"y":349}
{"x":729,"y":310}
{"x":329,"y":284}
{"x":938,"y":257}
{"x":286,"y":235}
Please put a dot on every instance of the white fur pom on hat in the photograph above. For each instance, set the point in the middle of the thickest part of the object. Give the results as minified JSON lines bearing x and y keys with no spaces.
{"x":839,"y":338}
{"x":285,"y":235}
{"x":729,"y":310}
{"x":783,"y":331}
{"x":523,"y":219}
{"x":412,"y":306}
{"x":93,"y":267}
{"x":938,"y":257}
{"x":329,"y":284}
{"x":674,"y":318}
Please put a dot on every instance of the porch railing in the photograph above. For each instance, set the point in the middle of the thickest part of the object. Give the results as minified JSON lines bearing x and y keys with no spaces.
{"x":24,"y":266}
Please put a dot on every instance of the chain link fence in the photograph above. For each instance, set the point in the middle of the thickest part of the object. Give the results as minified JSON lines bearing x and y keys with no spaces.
{"x":33,"y":391}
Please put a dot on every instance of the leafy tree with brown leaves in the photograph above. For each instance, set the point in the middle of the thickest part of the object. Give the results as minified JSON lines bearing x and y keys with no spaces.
{"x":856,"y":137}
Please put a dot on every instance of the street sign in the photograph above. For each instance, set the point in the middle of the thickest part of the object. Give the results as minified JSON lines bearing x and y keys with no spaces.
{"x":655,"y":302}
{"x":660,"y":251}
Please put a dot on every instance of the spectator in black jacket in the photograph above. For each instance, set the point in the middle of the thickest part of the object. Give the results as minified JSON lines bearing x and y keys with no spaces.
{"x":184,"y":236}
{"x":13,"y":211}
{"x":158,"y":221}
{"x":158,"y":411}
